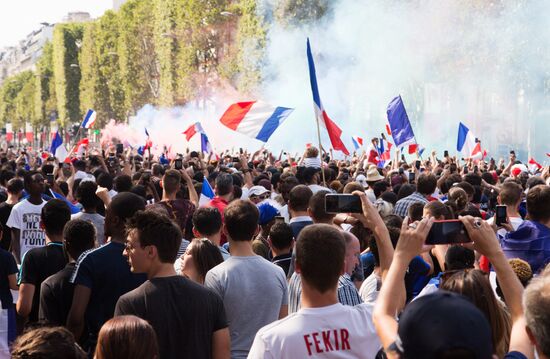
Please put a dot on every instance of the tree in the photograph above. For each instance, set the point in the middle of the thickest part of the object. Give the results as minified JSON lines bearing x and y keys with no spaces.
{"x":300,"y":12}
{"x":67,"y":38}
{"x":45,"y":102}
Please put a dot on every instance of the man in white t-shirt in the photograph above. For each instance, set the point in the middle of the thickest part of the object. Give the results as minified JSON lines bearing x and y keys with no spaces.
{"x":323,"y":327}
{"x":24,"y":219}
{"x":509,"y":196}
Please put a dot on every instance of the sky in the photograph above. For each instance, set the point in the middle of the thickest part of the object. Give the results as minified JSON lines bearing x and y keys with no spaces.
{"x":18,"y":18}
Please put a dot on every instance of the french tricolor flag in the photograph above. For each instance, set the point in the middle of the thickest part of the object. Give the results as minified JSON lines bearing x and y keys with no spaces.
{"x":58,"y":149}
{"x":534,"y":166}
{"x":89,"y":119}
{"x":384,"y":151}
{"x":467,"y":143}
{"x":206,"y":193}
{"x":255,"y":119}
{"x":357,"y":142}
{"x":192,"y":130}
{"x":334,"y":132}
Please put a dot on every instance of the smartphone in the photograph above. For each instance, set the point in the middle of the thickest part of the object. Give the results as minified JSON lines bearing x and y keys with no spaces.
{"x":343,"y":203}
{"x":412,"y":177}
{"x":119,"y":148}
{"x":465,"y":169}
{"x":50,"y":178}
{"x":235,"y":159}
{"x":476,"y":169}
{"x":279,"y":219}
{"x":241,"y":150}
{"x":500,"y":215}
{"x":448,"y":232}
{"x":446,"y":153}
{"x":417,"y":164}
{"x":178,"y":164}
{"x":401,"y":170}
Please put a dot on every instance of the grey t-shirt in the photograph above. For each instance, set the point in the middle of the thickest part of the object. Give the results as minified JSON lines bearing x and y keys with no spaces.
{"x":97,"y":220}
{"x":253,"y":291}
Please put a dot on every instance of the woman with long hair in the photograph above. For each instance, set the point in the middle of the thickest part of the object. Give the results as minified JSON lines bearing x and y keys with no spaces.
{"x":201,"y":256}
{"x":126,"y":337}
{"x":474,"y":284}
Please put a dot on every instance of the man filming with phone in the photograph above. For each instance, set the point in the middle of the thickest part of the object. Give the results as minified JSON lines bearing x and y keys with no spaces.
{"x":510,"y":197}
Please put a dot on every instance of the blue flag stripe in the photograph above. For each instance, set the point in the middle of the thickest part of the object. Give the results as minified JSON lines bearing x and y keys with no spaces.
{"x":399,"y":122}
{"x":273,"y":122}
{"x":313,"y":77}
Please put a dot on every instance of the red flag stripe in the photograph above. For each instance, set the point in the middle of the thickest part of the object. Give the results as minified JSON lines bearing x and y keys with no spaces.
{"x":235,"y":114}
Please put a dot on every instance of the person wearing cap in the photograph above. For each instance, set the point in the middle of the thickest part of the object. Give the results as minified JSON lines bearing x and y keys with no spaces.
{"x":323,"y":326}
{"x":260,"y":244}
{"x":426,"y":184}
{"x":373,"y":176}
{"x":258,"y":194}
{"x":443,"y":324}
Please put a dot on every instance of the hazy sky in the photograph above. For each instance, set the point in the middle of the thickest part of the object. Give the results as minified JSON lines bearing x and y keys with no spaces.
{"x":20,"y":17}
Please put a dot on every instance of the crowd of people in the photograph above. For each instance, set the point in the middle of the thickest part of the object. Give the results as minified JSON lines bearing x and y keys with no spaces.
{"x":120,"y":255}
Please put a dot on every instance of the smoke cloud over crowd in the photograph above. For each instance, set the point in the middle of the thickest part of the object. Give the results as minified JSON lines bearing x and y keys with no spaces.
{"x":486,"y":64}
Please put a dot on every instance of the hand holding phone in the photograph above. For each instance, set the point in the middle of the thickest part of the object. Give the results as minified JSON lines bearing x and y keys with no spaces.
{"x":343,"y":203}
{"x":448,"y":232}
{"x":500,"y":215}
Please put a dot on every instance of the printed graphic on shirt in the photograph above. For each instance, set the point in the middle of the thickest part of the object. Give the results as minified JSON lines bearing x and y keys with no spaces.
{"x":31,"y":234}
{"x":327,"y":341}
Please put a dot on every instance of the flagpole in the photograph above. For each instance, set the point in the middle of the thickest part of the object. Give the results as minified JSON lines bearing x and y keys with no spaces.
{"x":320,"y":153}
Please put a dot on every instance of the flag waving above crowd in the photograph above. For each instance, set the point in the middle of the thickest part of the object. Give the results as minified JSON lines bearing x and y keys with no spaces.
{"x":334,"y":132}
{"x":467,"y":143}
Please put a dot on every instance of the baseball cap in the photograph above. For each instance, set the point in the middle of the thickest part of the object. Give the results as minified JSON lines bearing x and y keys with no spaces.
{"x":257,"y":191}
{"x":440,"y":322}
{"x":362,"y":179}
{"x":267,"y":213}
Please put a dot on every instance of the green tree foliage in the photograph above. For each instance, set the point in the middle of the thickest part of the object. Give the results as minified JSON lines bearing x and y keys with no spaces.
{"x":67,"y":38}
{"x":16,"y":99}
{"x":24,"y":101}
{"x":166,"y":45}
{"x":93,"y":92}
{"x":300,"y":12}
{"x":139,"y":66}
{"x":45,"y":102}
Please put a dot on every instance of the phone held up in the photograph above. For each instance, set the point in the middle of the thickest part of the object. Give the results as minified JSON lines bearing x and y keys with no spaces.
{"x":343,"y":203}
{"x":448,"y":232}
{"x":500,"y":215}
{"x":178,"y":164}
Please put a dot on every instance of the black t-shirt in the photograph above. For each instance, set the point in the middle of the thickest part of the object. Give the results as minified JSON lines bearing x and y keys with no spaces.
{"x":283,"y":261}
{"x":5,"y":211}
{"x":38,"y":264}
{"x":7,"y":267}
{"x":183,"y":313}
{"x":107,"y":273}
{"x":56,"y":296}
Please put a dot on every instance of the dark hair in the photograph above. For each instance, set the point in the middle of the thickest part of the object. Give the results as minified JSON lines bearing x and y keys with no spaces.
{"x":105,"y":180}
{"x":123,"y":183}
{"x":126,"y":337}
{"x":55,"y":214}
{"x":309,"y":173}
{"x":85,"y":194}
{"x":534,"y":181}
{"x":281,"y":236}
{"x":47,"y":343}
{"x":5,"y":176}
{"x":78,"y":236}
{"x":317,"y":208}
{"x":155,"y":229}
{"x":125,"y":205}
{"x":206,"y":256}
{"x":379,"y":188}
{"x":171,"y":181}
{"x":470,"y":190}
{"x":27,"y":178}
{"x":439,"y":210}
{"x":426,"y":184}
{"x":510,"y":193}
{"x":241,"y":220}
{"x":473,"y":178}
{"x":538,"y":203}
{"x":405,"y":190}
{"x":458,"y":258}
{"x":320,"y":252}
{"x":416,"y":211}
{"x":393,"y":220}
{"x":299,"y":197}
{"x":224,"y":184}
{"x":207,"y":220}
{"x":389,"y":197}
{"x":15,"y":185}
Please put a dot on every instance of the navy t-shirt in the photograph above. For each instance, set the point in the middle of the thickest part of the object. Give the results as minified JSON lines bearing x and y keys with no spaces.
{"x":107,"y":273}
{"x":7,"y":267}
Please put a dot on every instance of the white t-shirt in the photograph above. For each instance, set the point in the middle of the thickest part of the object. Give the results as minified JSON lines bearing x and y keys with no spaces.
{"x":334,"y":331}
{"x":514,"y":221}
{"x":369,"y":289}
{"x":25,"y":216}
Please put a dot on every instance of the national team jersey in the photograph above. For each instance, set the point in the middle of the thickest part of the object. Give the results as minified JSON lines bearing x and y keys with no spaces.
{"x":335,"y":331}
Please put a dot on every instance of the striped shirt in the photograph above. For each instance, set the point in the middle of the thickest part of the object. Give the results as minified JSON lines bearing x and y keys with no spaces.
{"x":347,"y":292}
{"x":402,"y":206}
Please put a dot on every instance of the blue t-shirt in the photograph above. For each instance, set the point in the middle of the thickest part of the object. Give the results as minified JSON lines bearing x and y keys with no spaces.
{"x":416,"y":277}
{"x":107,"y":273}
{"x":515,"y":355}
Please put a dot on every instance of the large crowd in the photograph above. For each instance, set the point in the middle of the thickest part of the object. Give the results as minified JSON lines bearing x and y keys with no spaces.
{"x":116,"y":255}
